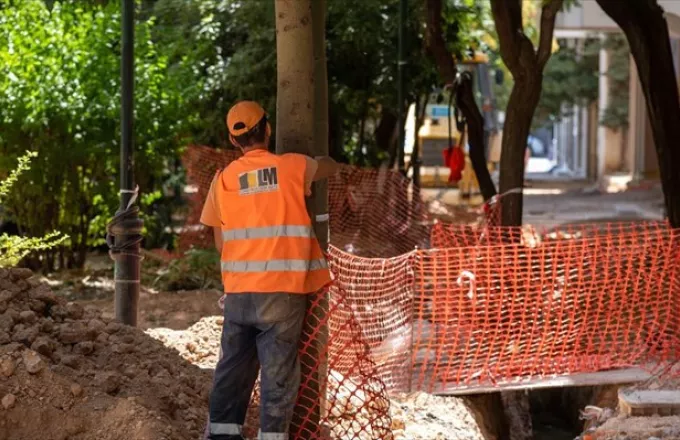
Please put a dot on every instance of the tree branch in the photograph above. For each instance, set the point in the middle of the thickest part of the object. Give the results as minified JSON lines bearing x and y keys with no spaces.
{"x":548,"y":14}
{"x":507,"y":14}
{"x":465,"y":101}
{"x":436,"y":44}
{"x":446,"y":67}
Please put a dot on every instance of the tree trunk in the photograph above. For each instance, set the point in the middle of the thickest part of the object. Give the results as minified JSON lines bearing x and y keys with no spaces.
{"x":336,"y":142}
{"x":295,"y":77}
{"x":464,"y":96}
{"x":523,"y":101}
{"x":647,"y":32}
{"x":362,"y":129}
{"x":415,"y":155}
{"x":320,"y":189}
{"x":465,"y":100}
{"x":526,"y":65}
{"x":296,"y":131}
{"x":384,"y":132}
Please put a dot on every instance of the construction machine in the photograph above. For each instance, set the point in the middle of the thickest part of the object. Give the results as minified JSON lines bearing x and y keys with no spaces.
{"x":433,"y":136}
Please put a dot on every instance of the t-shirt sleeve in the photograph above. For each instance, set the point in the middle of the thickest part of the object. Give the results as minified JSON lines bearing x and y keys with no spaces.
{"x":210,"y":216}
{"x":311,"y":165}
{"x":306,"y":166}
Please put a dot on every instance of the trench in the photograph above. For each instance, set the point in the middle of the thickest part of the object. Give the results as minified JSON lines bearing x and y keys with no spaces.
{"x":554,"y":412}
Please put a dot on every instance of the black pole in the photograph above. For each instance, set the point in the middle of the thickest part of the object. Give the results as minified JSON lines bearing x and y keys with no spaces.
{"x":400,"y":80}
{"x":127,"y":101}
{"x":127,"y":226}
{"x":415,"y":155}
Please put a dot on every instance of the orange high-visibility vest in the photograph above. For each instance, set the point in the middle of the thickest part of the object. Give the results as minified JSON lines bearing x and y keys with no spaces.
{"x":269,"y":243}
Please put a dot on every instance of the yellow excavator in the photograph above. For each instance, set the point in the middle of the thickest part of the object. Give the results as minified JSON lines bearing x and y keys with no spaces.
{"x":433,"y":136}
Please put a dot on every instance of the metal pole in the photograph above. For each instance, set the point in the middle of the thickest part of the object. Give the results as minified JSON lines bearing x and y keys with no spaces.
{"x":400,"y":80}
{"x":415,"y":155}
{"x":127,"y":101}
{"x":127,"y":226}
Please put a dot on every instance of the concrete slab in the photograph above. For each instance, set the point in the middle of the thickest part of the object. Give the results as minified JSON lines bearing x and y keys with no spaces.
{"x":649,"y":402}
{"x":620,"y":376}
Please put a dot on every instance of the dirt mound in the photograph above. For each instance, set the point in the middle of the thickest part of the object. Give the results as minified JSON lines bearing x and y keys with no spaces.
{"x":415,"y":416}
{"x":638,"y":428}
{"x":68,"y":373}
{"x":199,"y":344}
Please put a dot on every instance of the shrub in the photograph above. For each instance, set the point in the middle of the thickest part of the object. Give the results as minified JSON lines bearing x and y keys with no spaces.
{"x":14,"y":248}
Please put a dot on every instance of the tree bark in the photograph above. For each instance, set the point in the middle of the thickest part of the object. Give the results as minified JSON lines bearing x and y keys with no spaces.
{"x":465,"y":100}
{"x":526,"y":66}
{"x":299,"y":61}
{"x":320,"y":189}
{"x":647,"y":33}
{"x":295,"y":77}
{"x":521,"y":105}
{"x":385,"y":137}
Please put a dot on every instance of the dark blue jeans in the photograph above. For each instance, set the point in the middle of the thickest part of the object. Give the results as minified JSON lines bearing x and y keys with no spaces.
{"x":259,"y":329}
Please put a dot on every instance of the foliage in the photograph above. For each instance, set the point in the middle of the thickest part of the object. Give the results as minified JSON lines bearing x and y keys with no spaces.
{"x":230,"y":47}
{"x":23,"y":165}
{"x":60,"y":95}
{"x":616,"y":114}
{"x":196,"y":269}
{"x":226,"y":50}
{"x":570,"y":78}
{"x":14,"y":248}
{"x":530,"y":10}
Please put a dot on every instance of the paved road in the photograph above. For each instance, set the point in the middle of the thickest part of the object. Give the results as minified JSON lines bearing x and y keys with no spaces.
{"x":549,"y":207}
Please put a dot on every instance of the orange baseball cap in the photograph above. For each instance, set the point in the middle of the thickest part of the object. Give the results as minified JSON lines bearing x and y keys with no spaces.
{"x":243,"y":116}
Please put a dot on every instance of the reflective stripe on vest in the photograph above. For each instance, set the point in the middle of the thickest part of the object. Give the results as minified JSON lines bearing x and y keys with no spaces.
{"x":268,"y":232}
{"x":274,"y":265}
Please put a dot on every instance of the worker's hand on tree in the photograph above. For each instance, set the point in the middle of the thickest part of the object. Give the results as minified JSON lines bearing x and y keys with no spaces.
{"x":326,"y":167}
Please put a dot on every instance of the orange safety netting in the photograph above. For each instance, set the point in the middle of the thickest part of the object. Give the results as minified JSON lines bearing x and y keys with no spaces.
{"x":423,"y":305}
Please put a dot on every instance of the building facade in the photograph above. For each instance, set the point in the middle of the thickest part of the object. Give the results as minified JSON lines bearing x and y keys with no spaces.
{"x":589,"y":149}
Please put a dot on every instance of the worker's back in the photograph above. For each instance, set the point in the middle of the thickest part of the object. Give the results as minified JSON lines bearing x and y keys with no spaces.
{"x":269,"y":243}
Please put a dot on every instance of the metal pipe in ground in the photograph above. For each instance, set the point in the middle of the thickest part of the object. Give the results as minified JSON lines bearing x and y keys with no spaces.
{"x":126,"y":226}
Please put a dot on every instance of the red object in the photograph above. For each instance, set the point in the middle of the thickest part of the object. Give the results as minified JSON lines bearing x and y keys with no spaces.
{"x":454,"y":158}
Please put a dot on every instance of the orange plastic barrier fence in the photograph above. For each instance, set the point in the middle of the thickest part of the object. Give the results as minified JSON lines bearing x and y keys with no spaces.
{"x":373,"y":213}
{"x":421,"y":305}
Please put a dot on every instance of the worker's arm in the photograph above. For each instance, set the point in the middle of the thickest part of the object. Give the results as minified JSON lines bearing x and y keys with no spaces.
{"x":210,"y":216}
{"x":217,"y":236}
{"x":326,"y":167}
{"x":317,"y":169}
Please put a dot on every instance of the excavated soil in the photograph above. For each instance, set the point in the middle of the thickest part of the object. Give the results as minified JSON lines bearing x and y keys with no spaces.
{"x":415,"y":416}
{"x":68,"y":373}
{"x":638,"y":428}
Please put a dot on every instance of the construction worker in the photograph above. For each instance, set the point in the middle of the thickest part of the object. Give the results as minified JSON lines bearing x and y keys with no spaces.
{"x":270,"y":261}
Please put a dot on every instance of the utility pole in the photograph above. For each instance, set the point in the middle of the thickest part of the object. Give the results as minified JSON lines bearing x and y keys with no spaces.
{"x":401,"y":93}
{"x":126,"y":225}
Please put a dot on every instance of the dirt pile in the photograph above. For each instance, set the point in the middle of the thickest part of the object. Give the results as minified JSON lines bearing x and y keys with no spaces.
{"x":199,"y":344}
{"x":68,"y":373}
{"x":415,"y":416}
{"x":637,"y":428}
